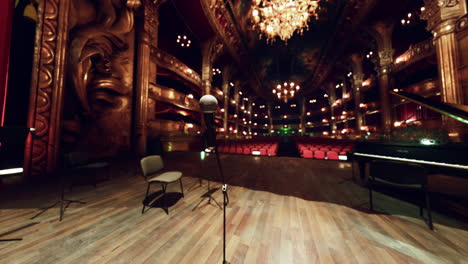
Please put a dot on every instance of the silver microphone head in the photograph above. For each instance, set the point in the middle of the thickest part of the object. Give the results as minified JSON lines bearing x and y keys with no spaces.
{"x":208,"y":104}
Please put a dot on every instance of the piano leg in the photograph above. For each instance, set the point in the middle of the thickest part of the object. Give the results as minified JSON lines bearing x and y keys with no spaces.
{"x":428,"y":206}
{"x":362,"y":171}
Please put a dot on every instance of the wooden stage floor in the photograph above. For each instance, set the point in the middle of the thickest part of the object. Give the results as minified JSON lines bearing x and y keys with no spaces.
{"x":282,"y":210}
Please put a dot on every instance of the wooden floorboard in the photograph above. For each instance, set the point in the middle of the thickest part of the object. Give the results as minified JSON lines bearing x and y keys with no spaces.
{"x":282,"y":210}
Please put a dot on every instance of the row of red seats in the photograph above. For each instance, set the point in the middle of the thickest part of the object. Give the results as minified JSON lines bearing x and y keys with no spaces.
{"x":262,"y":149}
{"x":322,"y":148}
{"x":330,"y":155}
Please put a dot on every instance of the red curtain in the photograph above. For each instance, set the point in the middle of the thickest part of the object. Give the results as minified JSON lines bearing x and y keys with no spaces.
{"x":6,"y":16}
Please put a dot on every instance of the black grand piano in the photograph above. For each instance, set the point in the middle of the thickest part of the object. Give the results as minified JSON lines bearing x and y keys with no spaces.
{"x":449,"y":159}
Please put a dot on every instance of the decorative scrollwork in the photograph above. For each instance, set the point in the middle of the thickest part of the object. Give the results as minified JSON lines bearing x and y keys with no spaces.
{"x":45,"y":86}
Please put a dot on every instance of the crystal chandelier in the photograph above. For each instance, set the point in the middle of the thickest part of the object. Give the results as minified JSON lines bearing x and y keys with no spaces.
{"x":282,"y":17}
{"x":286,"y":91}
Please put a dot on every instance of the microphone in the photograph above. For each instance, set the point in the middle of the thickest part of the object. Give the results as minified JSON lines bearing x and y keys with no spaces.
{"x":209,"y":105}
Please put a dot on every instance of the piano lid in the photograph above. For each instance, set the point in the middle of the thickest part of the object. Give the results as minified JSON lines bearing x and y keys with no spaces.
{"x":454,"y":154}
{"x":445,"y":109}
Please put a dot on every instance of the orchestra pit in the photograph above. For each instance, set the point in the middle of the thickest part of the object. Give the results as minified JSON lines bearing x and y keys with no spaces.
{"x":233,"y":131}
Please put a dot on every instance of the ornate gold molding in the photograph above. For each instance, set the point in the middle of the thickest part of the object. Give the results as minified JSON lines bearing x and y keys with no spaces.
{"x":171,"y":96}
{"x":220,"y":19}
{"x":46,"y":100}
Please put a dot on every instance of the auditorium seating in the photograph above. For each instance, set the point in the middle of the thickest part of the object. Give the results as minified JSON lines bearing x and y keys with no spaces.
{"x":256,"y":146}
{"x":322,"y":148}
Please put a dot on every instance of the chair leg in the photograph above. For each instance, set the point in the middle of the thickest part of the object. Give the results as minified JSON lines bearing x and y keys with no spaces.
{"x":421,"y":207}
{"x":371,"y":203}
{"x":181,"y":187}
{"x":166,"y":208}
{"x":62,"y":198}
{"x":146,"y":196}
{"x":428,"y":206}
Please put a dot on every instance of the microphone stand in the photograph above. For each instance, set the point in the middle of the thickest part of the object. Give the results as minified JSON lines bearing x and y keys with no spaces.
{"x":224,"y":187}
{"x":208,"y":105}
{"x":225,"y":201}
{"x":61,"y":201}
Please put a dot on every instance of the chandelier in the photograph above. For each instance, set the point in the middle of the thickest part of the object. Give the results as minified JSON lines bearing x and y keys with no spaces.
{"x":282,"y":17}
{"x":286,"y":91}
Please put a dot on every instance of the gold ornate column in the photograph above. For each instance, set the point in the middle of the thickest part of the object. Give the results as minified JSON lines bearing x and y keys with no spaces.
{"x":441,"y":19}
{"x":303,"y":116}
{"x":210,"y":50}
{"x":249,"y":115}
{"x":383,"y":32}
{"x":147,"y":35}
{"x":384,"y":71}
{"x":236,"y":107}
{"x":345,"y":98}
{"x":47,"y":88}
{"x":225,"y":87}
{"x":358,"y":78}
{"x":270,"y":117}
{"x":331,"y":101}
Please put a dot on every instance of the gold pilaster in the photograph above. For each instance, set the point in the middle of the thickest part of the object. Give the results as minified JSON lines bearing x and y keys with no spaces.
{"x":384,"y":71}
{"x":358,"y":79}
{"x":146,"y":36}
{"x":447,"y":60}
{"x":441,"y":18}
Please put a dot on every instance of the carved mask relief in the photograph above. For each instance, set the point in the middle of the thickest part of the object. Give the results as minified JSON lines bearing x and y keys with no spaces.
{"x":100,"y":77}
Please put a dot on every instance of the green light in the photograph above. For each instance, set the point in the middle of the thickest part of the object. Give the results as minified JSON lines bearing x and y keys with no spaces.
{"x":427,"y":142}
{"x":202,"y":155}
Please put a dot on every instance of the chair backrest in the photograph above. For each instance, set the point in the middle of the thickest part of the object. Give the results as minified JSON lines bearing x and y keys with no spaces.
{"x":74,"y":159}
{"x":332,"y":155}
{"x":308,"y":154}
{"x":398,"y":172}
{"x":151,"y":164}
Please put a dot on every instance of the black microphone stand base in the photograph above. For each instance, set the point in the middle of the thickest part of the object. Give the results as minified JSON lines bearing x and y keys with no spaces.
{"x":62,"y":207}
{"x":208,"y":195}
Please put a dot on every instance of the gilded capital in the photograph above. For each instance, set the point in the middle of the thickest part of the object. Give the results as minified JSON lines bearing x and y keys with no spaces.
{"x":443,"y":28}
{"x":358,"y":78}
{"x":439,"y":11}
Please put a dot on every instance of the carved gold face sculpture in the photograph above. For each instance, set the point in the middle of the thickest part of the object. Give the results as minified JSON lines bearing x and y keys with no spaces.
{"x":101,"y":76}
{"x":111,"y":82}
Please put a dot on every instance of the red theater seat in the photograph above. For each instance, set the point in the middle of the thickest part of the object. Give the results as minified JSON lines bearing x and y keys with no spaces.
{"x":319,"y":154}
{"x":308,"y":154}
{"x":332,"y":155}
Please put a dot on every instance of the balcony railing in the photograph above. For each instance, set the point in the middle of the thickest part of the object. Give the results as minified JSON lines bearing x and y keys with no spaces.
{"x":170,"y":62}
{"x":415,"y":53}
{"x":172,"y":128}
{"x":171,"y":96}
